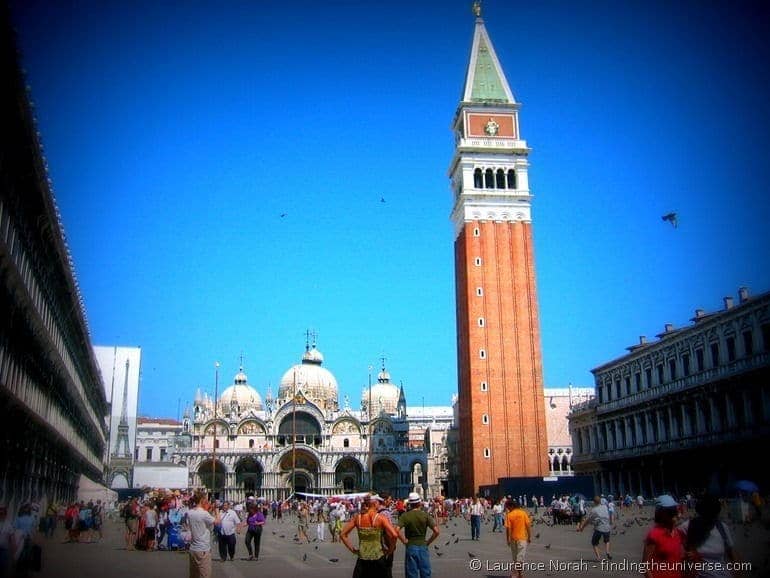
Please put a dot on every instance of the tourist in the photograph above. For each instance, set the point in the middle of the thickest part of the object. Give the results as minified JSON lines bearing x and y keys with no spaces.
{"x":24,"y":528}
{"x":228,"y":522}
{"x":497,"y":512}
{"x":131,"y":514}
{"x":201,"y":523}
{"x":476,"y":511}
{"x":518,"y":533}
{"x":303,"y":521}
{"x":97,"y":514}
{"x":255,"y":519}
{"x":71,"y":522}
{"x":388,"y":542}
{"x":663,"y":543}
{"x":708,"y":540}
{"x":599,"y":516}
{"x":51,"y":512}
{"x":414,"y":526}
{"x":6,"y":540}
{"x":150,"y":526}
{"x":321,"y":518}
{"x":85,"y":522}
{"x":371,"y":561}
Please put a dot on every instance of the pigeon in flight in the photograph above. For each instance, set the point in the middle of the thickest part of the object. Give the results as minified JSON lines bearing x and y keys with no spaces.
{"x":382,"y":199}
{"x":671,"y":218}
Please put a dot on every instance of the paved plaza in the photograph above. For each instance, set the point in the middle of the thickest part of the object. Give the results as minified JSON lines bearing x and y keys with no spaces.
{"x":556,"y":550}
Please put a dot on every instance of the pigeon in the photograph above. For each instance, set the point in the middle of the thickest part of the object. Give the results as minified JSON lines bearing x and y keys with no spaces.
{"x":547,"y":546}
{"x":471,"y":555}
{"x":334,"y":560}
{"x":453,"y":535}
{"x":304,"y":557}
{"x":447,"y":542}
{"x":439,"y":553}
{"x":316,"y":547}
{"x":537,"y":535}
{"x":457,"y":540}
{"x":671,"y":218}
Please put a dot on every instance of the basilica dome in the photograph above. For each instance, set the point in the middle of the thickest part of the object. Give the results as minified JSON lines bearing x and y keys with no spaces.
{"x":241,"y":393}
{"x":316,"y":383}
{"x":384,"y":395}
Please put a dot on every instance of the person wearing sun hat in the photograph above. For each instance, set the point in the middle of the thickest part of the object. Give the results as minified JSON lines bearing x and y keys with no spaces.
{"x":414,"y":526}
{"x":663,"y":544}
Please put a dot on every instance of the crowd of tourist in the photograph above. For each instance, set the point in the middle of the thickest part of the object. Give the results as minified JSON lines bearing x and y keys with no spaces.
{"x":683,"y":531}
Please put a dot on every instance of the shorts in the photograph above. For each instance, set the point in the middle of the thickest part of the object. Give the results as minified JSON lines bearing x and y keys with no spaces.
{"x":149,"y":533}
{"x":598,"y":535}
{"x":518,"y":550}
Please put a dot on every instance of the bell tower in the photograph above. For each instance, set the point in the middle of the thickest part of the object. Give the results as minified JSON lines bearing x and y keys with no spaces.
{"x":500,"y":375}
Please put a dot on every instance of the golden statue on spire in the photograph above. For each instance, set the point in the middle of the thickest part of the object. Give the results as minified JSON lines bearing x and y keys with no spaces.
{"x":477,"y":8}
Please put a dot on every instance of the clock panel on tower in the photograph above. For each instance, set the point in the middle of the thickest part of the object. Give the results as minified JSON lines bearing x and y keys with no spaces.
{"x":486,"y":125}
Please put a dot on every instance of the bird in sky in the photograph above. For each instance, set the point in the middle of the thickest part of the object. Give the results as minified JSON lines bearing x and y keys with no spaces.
{"x":283,"y":215}
{"x":382,"y":199}
{"x":671,"y":218}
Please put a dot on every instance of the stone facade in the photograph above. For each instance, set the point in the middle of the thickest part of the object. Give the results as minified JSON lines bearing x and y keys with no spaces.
{"x":300,"y":441}
{"x":686,"y":412}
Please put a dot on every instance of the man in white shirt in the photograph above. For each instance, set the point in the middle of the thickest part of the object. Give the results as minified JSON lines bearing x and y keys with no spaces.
{"x":477,"y":510}
{"x":228,"y":523}
{"x":201,"y":523}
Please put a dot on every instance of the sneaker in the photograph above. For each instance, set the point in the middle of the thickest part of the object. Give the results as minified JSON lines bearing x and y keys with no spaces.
{"x":609,"y":557}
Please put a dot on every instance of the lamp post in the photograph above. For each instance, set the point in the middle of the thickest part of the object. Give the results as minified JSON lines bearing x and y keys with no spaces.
{"x":294,"y":436}
{"x":214,"y":445}
{"x":371,"y":441}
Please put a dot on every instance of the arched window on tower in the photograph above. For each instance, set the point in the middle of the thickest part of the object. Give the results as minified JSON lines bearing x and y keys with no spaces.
{"x":489,"y":179}
{"x":500,"y":181}
{"x":477,"y":179}
{"x":511,"y":179}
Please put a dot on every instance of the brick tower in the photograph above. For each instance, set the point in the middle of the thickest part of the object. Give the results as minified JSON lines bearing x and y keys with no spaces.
{"x":500,"y":374}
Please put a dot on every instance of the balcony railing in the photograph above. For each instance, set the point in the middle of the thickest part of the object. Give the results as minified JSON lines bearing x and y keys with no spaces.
{"x":685,"y":383}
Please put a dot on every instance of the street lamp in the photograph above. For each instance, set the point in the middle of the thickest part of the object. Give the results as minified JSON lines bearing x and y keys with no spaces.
{"x":214,"y":445}
{"x":371,"y":442}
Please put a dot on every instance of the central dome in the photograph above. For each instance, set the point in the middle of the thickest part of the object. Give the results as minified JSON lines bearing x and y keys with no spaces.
{"x":316,"y":383}
{"x":241,"y":393}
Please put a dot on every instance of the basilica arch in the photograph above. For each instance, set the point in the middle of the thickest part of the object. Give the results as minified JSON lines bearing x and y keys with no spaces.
{"x":349,"y":474}
{"x":248,"y":476}
{"x":302,"y":426}
{"x":304,"y":465}
{"x":212,"y":474}
{"x":385,"y":476}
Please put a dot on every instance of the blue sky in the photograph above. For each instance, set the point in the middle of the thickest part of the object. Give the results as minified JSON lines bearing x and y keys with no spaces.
{"x":178,"y":133}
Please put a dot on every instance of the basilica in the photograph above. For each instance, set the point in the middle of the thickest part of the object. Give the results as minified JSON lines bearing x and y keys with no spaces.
{"x":301,"y":440}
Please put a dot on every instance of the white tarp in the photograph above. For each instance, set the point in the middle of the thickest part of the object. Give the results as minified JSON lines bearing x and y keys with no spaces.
{"x":89,"y":490}
{"x":334,"y":496}
{"x":152,"y":475}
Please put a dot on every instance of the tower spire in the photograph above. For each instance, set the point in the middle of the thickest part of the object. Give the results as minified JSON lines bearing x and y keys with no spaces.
{"x":485,"y":80}
{"x":122,"y":450}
